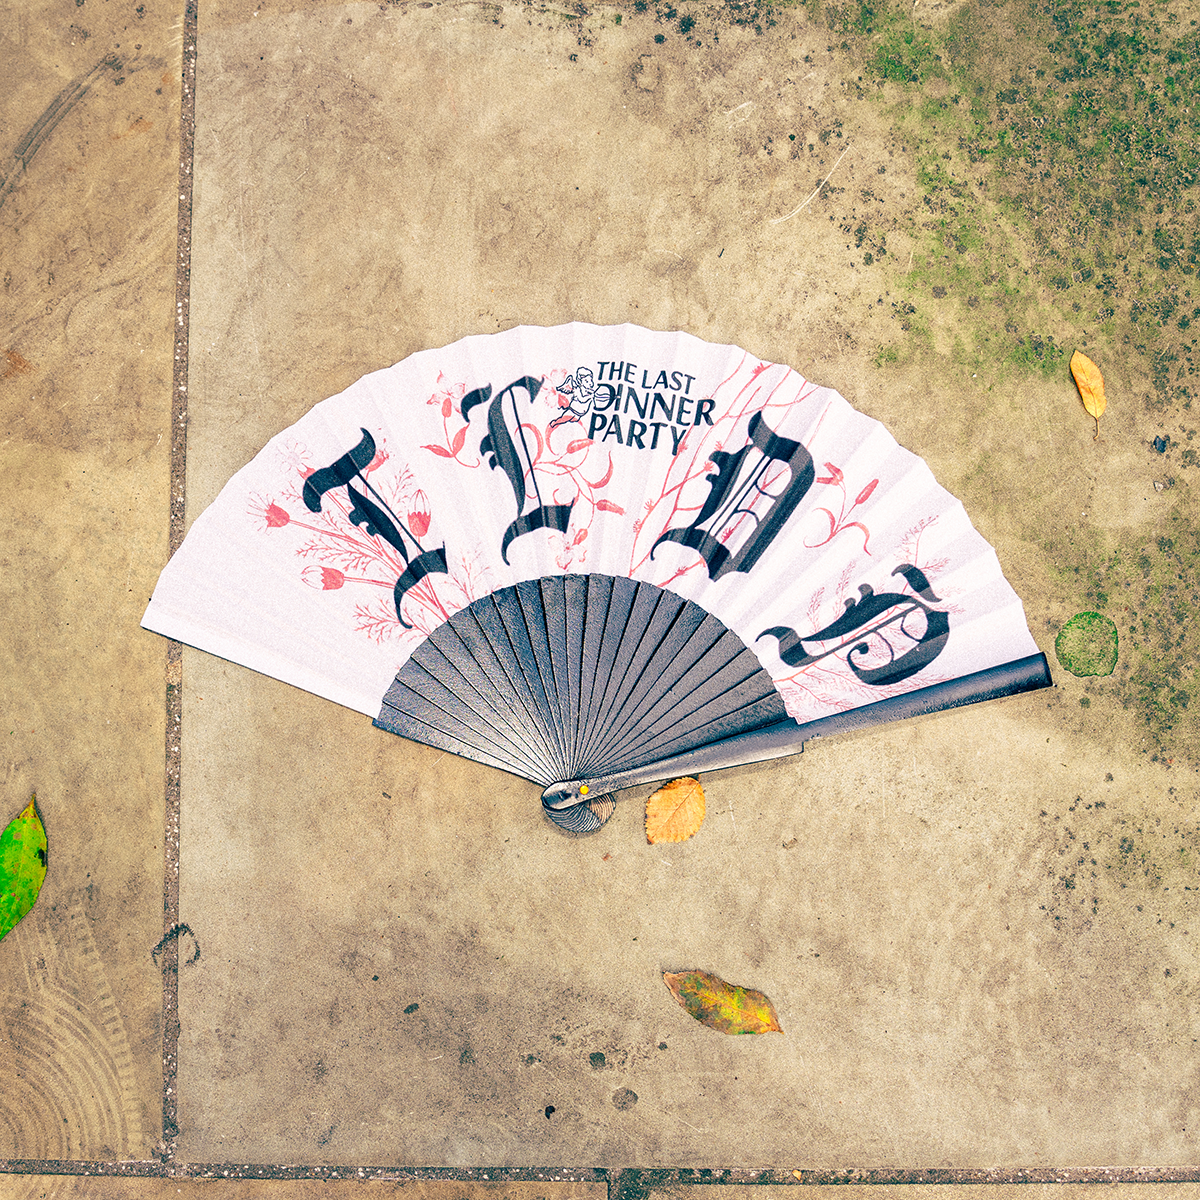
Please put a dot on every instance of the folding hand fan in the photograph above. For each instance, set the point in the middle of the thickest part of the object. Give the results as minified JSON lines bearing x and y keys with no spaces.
{"x":595,"y":557}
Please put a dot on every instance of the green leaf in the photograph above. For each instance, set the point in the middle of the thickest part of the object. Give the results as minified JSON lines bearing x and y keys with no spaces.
{"x":22,"y":865}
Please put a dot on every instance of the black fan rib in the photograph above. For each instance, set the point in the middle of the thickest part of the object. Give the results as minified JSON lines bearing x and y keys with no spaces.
{"x":572,"y":676}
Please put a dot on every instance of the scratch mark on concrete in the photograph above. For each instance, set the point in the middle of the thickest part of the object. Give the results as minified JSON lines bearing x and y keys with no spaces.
{"x":777,"y":220}
{"x":253,"y":323}
{"x":39,"y":132}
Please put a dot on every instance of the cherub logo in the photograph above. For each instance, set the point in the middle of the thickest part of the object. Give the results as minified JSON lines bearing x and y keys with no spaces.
{"x":584,"y":391}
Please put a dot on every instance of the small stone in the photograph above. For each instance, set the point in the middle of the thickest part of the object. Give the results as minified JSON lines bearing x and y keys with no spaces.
{"x":624,"y":1099}
{"x":1161,"y":444}
{"x":1158,"y":487}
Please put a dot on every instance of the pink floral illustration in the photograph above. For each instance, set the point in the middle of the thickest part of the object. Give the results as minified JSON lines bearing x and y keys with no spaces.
{"x":418,"y":515}
{"x":466,"y":583}
{"x":341,"y":553}
{"x":555,"y":470}
{"x":448,"y":397}
{"x":840,"y":524}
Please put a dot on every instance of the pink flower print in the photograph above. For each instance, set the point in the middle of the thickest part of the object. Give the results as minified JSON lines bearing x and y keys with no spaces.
{"x":418,"y":516}
{"x":447,"y":395}
{"x":325,"y":579}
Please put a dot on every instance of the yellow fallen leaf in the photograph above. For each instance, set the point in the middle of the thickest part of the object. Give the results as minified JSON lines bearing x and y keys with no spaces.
{"x":675,"y":811}
{"x":723,"y":1006}
{"x":1091,"y":387}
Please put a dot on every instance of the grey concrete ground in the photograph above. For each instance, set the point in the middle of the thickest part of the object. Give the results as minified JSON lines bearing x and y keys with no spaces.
{"x":978,"y":928}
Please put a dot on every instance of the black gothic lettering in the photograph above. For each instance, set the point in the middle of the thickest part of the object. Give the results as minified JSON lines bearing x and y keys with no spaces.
{"x":514,"y":458}
{"x":376,"y":518}
{"x":882,"y":618}
{"x":735,"y":490}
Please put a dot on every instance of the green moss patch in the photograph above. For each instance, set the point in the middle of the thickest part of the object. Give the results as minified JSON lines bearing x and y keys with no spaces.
{"x":1087,"y":645}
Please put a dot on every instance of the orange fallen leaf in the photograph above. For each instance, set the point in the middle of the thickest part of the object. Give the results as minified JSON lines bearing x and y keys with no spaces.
{"x":1091,"y":387}
{"x":675,"y":811}
{"x":723,"y":1006}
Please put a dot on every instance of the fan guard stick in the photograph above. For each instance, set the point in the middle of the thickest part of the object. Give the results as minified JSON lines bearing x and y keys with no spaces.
{"x":788,"y":737}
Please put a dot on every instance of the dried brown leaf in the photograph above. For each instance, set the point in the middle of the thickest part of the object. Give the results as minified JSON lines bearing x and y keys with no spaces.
{"x":1091,"y":386}
{"x":675,"y":811}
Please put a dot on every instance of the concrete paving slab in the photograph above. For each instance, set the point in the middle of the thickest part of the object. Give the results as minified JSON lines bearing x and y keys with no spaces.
{"x":978,"y":928}
{"x":89,"y":145}
{"x":109,"y":1187}
{"x":980,"y":1191}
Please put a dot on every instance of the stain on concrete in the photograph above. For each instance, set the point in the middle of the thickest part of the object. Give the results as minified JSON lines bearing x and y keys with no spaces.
{"x":40,"y":131}
{"x":15,"y":364}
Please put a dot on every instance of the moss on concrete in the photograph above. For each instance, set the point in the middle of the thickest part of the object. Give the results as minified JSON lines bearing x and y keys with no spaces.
{"x":1087,"y":645}
{"x":1058,"y":153}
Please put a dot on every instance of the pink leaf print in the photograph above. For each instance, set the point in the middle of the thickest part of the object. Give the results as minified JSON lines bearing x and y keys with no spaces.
{"x":581,"y":536}
{"x":832,"y":522}
{"x":457,"y":444}
{"x":865,"y":494}
{"x":447,"y":407}
{"x":277,"y":518}
{"x":601,"y":482}
{"x":578,"y":444}
{"x":609,"y":506}
{"x":834,"y":476}
{"x":865,"y":532}
{"x":440,"y":451}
